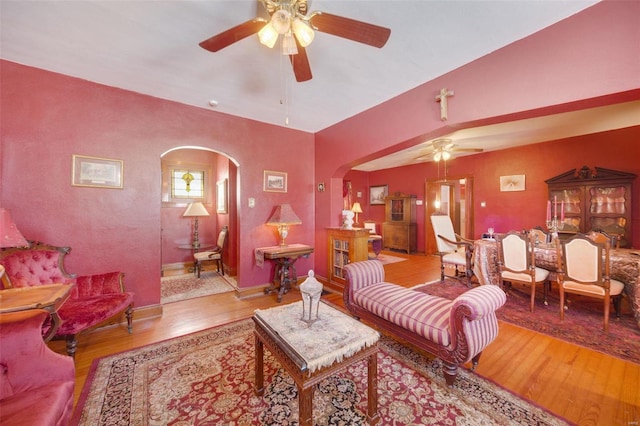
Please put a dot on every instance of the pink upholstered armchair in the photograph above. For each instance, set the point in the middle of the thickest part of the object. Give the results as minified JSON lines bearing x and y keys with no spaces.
{"x":95,"y":300}
{"x":36,"y":384}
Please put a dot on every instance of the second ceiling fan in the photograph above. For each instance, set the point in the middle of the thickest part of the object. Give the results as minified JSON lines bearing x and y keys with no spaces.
{"x":290,"y":19}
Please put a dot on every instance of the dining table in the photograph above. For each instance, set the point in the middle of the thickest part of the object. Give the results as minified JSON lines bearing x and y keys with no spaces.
{"x":624,"y":267}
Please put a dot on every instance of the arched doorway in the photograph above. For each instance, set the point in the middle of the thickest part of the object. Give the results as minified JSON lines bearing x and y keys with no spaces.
{"x":219,"y":173}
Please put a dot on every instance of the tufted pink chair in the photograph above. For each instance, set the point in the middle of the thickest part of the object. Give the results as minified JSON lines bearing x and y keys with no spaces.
{"x":36,"y":384}
{"x":95,"y":299}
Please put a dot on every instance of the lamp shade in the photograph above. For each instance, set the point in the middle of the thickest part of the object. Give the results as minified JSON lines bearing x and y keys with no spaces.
{"x":9,"y":234}
{"x":284,"y":215}
{"x":356,"y":208}
{"x":195,"y":210}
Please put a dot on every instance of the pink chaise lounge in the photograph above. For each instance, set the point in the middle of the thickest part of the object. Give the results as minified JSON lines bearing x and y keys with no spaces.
{"x":36,"y":384}
{"x":456,"y":331}
{"x":95,"y":300}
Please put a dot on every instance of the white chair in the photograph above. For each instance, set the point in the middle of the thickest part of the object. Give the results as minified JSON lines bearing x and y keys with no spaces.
{"x":517,"y":264}
{"x":455,"y":251}
{"x":585,"y":271}
{"x":212,"y":255}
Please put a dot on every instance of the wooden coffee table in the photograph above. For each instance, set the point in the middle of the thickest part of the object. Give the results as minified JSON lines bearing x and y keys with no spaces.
{"x":310,"y":353}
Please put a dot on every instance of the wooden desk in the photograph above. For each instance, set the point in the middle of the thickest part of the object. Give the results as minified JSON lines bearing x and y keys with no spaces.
{"x":285,"y":258}
{"x":48,"y":297}
{"x":625,"y":267}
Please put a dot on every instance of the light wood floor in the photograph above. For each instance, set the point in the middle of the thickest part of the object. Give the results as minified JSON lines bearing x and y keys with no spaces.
{"x":583,"y":386}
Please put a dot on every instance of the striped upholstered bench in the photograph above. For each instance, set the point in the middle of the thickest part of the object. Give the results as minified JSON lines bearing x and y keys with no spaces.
{"x":456,"y":331}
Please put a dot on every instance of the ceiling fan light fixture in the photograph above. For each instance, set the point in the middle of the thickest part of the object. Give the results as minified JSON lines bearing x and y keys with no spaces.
{"x":437,"y":156}
{"x":446,"y":155}
{"x":268,"y":35}
{"x":304,"y":33}
{"x":281,"y":21}
{"x":289,"y":45}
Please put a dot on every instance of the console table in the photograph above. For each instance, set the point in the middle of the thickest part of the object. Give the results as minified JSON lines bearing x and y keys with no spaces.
{"x":285,"y":258}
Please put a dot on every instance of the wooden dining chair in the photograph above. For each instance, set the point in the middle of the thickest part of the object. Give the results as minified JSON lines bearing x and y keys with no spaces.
{"x":214,"y":255}
{"x":517,"y":264}
{"x":600,"y":236}
{"x":539,"y":235}
{"x":584,"y":270}
{"x":455,"y":251}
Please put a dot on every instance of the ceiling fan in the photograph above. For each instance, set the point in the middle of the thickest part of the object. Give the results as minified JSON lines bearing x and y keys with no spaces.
{"x":444,"y":149}
{"x":289,"y":18}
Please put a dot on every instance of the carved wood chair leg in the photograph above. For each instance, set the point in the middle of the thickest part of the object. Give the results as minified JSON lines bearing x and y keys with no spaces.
{"x":474,"y":361}
{"x":129,"y":315}
{"x":72,"y":345}
{"x":450,"y":372}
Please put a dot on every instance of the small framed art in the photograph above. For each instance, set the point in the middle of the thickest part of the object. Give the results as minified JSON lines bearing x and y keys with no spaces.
{"x":512,"y":183}
{"x":377,"y":194}
{"x":274,"y":181}
{"x":221,"y":196}
{"x":97,"y":172}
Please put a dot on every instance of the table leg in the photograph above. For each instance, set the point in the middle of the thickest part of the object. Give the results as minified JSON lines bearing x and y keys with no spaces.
{"x":305,"y":402}
{"x":372,"y":395}
{"x":259,"y":366}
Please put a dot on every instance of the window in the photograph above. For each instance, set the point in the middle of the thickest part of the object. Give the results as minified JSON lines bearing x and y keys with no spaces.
{"x":187,"y":184}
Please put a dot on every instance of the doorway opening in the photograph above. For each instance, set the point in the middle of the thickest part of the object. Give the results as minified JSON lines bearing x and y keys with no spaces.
{"x":453,"y":197}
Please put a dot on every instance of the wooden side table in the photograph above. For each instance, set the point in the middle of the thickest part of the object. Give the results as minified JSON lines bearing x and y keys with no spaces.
{"x":48,"y":297}
{"x":309,"y":353}
{"x":285,"y":258}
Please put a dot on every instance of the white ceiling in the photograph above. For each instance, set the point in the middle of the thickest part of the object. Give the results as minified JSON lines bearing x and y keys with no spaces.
{"x":151,"y":47}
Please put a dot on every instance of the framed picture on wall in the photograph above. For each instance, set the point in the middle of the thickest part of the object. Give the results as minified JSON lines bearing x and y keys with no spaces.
{"x":222,"y":196}
{"x":377,"y":194}
{"x":96,"y":172}
{"x":512,"y":183}
{"x":274,"y":181}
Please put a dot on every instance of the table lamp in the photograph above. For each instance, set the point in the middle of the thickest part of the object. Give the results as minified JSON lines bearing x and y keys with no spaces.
{"x":9,"y":234}
{"x":195,"y":210}
{"x":282,"y":217}
{"x":356,"y":209}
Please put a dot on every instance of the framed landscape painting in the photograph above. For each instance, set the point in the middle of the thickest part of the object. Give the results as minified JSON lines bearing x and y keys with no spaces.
{"x":274,"y":181}
{"x":377,"y":194}
{"x":96,"y":172}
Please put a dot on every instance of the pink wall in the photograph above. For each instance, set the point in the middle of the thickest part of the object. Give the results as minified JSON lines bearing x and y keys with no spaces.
{"x":47,"y":117}
{"x":575,"y":64}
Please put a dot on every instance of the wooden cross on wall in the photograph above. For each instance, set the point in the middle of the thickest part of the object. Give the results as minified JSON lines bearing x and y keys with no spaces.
{"x":442,"y":98}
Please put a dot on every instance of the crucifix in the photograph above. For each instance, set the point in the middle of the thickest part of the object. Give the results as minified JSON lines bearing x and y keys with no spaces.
{"x":442,"y":98}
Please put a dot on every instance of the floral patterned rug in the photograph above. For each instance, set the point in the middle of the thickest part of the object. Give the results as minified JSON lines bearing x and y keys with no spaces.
{"x":207,"y":378}
{"x":582,"y":322}
{"x":188,"y":286}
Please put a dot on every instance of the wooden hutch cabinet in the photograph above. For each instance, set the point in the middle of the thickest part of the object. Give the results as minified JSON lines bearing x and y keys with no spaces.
{"x":345,"y":246}
{"x":399,"y":231}
{"x":598,"y":199}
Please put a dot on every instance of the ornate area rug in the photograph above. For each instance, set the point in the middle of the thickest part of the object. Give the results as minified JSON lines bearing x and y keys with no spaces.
{"x":188,"y":286}
{"x":387,"y":258}
{"x":582,"y":322}
{"x":207,"y":378}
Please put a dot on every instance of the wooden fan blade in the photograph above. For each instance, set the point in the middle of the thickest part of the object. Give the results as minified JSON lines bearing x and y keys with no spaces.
{"x":359,"y":31}
{"x":467,"y":150}
{"x":300,"y":63}
{"x":230,"y":36}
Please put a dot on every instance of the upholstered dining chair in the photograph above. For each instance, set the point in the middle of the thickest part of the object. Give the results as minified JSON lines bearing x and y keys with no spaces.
{"x":517,"y":264}
{"x":212,"y":255}
{"x":455,"y":251}
{"x":585,"y":271}
{"x":600,"y":236}
{"x":538,"y":235}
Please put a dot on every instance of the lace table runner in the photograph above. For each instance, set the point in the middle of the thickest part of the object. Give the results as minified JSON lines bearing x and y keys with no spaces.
{"x":333,"y":337}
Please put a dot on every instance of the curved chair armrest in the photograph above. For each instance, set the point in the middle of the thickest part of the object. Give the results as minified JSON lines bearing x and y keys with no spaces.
{"x":28,"y":361}
{"x":480,"y":301}
{"x":461,"y":242}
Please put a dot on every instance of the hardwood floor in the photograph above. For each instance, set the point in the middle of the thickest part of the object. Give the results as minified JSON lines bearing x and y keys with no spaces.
{"x":581,"y":385}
